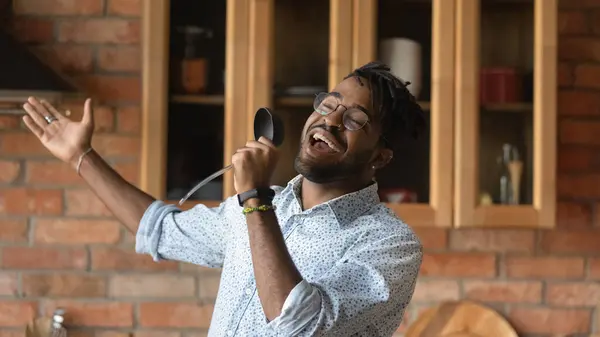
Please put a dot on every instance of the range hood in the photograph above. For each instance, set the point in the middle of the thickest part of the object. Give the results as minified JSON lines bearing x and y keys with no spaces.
{"x":23,"y":74}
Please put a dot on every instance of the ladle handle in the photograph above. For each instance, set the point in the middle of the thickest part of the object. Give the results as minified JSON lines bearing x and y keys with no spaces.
{"x":204,"y":182}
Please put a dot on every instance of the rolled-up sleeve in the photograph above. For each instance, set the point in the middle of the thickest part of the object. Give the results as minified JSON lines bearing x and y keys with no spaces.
{"x":197,"y":235}
{"x":370,"y":283}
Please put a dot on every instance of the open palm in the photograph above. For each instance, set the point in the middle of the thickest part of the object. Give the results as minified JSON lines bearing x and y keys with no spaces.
{"x":64,"y":138}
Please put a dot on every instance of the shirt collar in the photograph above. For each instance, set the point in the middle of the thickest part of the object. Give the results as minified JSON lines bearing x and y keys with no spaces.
{"x":345,"y":208}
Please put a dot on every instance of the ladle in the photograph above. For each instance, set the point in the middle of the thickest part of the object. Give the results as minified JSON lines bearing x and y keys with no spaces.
{"x":266,"y":124}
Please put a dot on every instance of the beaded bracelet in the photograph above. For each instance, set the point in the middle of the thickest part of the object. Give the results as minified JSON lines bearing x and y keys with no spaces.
{"x":261,"y":208}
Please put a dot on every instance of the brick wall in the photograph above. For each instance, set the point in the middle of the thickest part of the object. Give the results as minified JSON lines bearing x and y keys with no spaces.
{"x":60,"y":247}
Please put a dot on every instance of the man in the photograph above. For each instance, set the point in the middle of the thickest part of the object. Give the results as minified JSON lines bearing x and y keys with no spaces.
{"x":320,"y":257}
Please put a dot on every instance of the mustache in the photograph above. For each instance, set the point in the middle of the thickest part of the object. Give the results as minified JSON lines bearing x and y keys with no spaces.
{"x":334,"y":130}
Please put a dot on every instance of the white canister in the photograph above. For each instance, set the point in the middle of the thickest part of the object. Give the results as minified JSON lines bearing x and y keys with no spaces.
{"x":404,"y":58}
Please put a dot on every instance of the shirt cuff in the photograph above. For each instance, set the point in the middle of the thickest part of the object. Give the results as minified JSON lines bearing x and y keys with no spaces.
{"x":300,"y":307}
{"x":149,"y":230}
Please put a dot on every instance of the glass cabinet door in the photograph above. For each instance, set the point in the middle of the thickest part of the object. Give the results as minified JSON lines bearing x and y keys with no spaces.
{"x":505,"y":113}
{"x":195,"y":56}
{"x":416,"y":39}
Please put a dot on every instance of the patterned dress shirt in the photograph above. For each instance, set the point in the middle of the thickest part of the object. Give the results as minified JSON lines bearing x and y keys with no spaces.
{"x":358,"y":260}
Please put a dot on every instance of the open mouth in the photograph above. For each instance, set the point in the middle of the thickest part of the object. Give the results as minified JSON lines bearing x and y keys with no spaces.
{"x":324,"y":141}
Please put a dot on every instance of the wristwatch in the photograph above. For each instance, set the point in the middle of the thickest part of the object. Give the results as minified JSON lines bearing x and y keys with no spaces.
{"x":263,"y":194}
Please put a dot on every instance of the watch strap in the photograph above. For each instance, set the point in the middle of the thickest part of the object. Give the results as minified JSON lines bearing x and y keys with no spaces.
{"x":263,"y":194}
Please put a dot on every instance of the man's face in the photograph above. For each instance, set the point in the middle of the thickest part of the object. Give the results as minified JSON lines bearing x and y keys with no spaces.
{"x":329,"y":150}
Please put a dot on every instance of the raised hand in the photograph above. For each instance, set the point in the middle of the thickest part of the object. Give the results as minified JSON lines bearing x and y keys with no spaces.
{"x":64,"y":138}
{"x":254,"y":164}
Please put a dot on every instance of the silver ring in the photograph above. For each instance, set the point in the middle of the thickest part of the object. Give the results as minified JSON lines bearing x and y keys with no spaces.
{"x":50,"y":119}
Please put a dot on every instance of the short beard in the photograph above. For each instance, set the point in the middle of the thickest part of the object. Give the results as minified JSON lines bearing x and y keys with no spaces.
{"x":350,"y":169}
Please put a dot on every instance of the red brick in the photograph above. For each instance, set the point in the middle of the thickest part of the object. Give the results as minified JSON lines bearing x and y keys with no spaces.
{"x":458,"y":265}
{"x":13,"y":230}
{"x":16,"y":313}
{"x":540,"y":267}
{"x":573,"y":215}
{"x":155,"y":286}
{"x":63,"y":285}
{"x":113,"y":88}
{"x":123,"y":59}
{"x":58,"y":7}
{"x":503,"y":291}
{"x":432,"y":238}
{"x":76,"y":231}
{"x":436,"y":291}
{"x":577,"y":159}
{"x":116,"y":145}
{"x":174,"y":315}
{"x":129,"y":120}
{"x":12,"y":333}
{"x":594,"y":268}
{"x":99,"y":31}
{"x":160,"y":334}
{"x":572,"y":22}
{"x":492,"y":240}
{"x":124,"y":7}
{"x":22,"y":144}
{"x":9,"y":122}
{"x":9,"y":171}
{"x":579,"y":132}
{"x":579,"y":186}
{"x":565,"y":74}
{"x":52,"y":172}
{"x":579,"y":49}
{"x":573,"y":294}
{"x":578,"y":103}
{"x":130,"y":171}
{"x":104,"y":116}
{"x":84,"y":202}
{"x":550,"y":321}
{"x":33,"y":30}
{"x":25,"y":201}
{"x":571,"y":242}
{"x":67,"y":58}
{"x":43,"y":258}
{"x":120,"y":259}
{"x":95,"y":314}
{"x":587,"y":76}
{"x":208,"y":287}
{"x":9,"y":285}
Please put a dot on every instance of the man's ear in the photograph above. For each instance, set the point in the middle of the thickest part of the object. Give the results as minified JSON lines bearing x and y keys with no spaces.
{"x":383,"y":158}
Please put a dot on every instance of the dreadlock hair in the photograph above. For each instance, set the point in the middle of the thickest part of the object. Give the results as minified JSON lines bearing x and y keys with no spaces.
{"x":399,"y":113}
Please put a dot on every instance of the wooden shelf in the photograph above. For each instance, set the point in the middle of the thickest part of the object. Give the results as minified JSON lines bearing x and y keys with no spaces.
{"x":199,"y":99}
{"x":508,"y":107}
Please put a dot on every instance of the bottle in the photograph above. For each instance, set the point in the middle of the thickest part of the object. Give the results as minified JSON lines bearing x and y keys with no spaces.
{"x":505,"y":197}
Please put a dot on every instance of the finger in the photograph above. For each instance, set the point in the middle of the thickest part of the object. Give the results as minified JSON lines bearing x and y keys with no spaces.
{"x":35,"y":115}
{"x":257,"y":145}
{"x":244,"y":149}
{"x":51,"y":110}
{"x":88,"y":112}
{"x":266,"y":141}
{"x":39,"y":107}
{"x":31,"y":125}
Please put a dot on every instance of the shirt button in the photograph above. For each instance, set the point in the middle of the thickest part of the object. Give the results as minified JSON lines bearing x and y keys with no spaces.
{"x":248,"y":291}
{"x":229,"y":333}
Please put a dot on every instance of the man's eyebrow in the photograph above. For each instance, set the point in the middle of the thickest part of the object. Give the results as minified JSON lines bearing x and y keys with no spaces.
{"x":357,"y":106}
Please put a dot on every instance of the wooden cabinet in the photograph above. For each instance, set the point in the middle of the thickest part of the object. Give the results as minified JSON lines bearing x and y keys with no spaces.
{"x":483,"y":70}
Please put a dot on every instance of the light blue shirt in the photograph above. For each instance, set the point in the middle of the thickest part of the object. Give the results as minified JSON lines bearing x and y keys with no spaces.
{"x":358,"y":260}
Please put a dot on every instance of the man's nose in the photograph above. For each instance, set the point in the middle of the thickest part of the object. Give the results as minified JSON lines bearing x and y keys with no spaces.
{"x":335,"y":119}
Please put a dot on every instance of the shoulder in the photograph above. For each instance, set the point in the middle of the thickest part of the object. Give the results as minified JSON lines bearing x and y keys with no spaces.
{"x":382,"y":227}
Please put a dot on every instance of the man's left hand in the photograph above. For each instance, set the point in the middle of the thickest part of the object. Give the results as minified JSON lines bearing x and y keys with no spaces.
{"x":254,"y":165}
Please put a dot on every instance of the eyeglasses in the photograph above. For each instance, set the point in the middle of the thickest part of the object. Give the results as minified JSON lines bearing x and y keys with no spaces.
{"x":353,"y":118}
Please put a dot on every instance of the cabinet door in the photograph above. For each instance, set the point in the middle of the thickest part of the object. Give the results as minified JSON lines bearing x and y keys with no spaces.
{"x":195,"y":56}
{"x":416,"y":39}
{"x":298,"y":49}
{"x":505,"y":113}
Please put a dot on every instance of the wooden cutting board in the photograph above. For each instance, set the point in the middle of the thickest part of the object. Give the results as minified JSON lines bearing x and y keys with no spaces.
{"x":460,"y":319}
